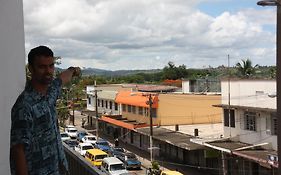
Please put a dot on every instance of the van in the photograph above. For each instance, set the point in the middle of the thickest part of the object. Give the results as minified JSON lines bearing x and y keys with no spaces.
{"x":95,"y":156}
{"x":168,"y":172}
{"x":113,"y":166}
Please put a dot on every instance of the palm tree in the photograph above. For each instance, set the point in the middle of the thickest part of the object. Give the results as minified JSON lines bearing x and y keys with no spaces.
{"x":245,"y":68}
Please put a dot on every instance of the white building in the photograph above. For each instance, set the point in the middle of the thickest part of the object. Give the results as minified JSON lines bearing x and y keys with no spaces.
{"x":252,"y":116}
{"x":12,"y":71}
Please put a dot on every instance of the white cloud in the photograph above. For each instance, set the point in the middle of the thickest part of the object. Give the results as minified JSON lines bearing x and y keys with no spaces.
{"x":126,"y":34}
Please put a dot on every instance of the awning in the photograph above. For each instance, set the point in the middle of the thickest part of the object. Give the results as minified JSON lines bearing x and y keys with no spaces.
{"x":259,"y":156}
{"x":225,"y":106}
{"x":123,"y":123}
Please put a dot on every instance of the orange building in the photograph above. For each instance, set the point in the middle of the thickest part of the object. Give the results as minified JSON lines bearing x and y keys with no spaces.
{"x":169,"y":109}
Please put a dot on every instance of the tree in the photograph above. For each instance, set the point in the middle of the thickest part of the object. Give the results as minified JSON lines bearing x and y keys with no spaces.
{"x":245,"y":68}
{"x":173,"y":72}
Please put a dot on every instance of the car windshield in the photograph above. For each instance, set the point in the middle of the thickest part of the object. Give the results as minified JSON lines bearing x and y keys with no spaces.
{"x":117,"y":167}
{"x":100,"y":156}
{"x":131,"y":156}
{"x":103,"y":143}
{"x":91,"y":138}
{"x":119,"y":149}
{"x":64,"y":135}
{"x":72,"y":130}
{"x":87,"y":147}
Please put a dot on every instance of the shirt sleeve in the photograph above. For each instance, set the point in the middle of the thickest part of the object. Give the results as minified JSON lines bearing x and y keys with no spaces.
{"x":21,"y":127}
{"x":56,"y":87}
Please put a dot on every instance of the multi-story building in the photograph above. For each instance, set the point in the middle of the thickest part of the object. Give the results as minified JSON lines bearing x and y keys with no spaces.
{"x":170,"y":108}
{"x":249,"y":118}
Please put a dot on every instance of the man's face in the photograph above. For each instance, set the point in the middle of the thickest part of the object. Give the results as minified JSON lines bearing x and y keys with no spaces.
{"x":42,"y":70}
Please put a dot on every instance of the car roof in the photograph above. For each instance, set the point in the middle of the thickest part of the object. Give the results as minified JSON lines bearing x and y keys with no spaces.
{"x":85,"y":144}
{"x":96,"y":151}
{"x":168,"y":172}
{"x":69,"y":126}
{"x":112,"y":160}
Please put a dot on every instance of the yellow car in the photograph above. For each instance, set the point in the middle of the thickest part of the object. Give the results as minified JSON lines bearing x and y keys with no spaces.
{"x":95,"y":156}
{"x":168,"y":172}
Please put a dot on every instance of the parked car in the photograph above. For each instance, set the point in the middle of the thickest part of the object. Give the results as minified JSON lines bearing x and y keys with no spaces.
{"x":80,"y":135}
{"x":81,"y":148}
{"x":68,"y":126}
{"x":130,"y":160}
{"x":72,"y":132}
{"x":64,"y":136}
{"x":168,"y":172}
{"x":102,"y":144}
{"x":71,"y":143}
{"x":95,"y":156}
{"x":112,"y":166}
{"x":115,"y":151}
{"x":89,"y":139}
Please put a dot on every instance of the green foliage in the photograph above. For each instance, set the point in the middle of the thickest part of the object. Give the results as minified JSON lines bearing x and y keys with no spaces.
{"x":245,"y":68}
{"x":173,"y":72}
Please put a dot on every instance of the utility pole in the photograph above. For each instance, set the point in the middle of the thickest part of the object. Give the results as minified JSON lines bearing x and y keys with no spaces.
{"x":97,"y":115}
{"x":150,"y":102}
{"x":229,"y":123}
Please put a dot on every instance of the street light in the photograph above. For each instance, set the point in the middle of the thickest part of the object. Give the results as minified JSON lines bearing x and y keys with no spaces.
{"x":278,"y":65}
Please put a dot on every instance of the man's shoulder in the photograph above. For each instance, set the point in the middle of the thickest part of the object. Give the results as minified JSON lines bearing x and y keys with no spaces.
{"x":24,"y":100}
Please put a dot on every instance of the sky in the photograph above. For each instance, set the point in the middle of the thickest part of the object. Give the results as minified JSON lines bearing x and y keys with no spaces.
{"x":147,"y":34}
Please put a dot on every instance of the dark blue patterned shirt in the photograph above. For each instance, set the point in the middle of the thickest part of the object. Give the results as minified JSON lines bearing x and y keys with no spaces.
{"x":34,"y":124}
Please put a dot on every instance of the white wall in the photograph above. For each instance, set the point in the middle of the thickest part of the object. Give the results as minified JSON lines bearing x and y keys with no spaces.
{"x":12,"y":73}
{"x":244,"y":93}
{"x":185,"y":86}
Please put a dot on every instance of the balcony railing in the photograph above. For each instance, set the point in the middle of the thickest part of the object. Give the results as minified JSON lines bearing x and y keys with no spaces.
{"x":78,"y":165}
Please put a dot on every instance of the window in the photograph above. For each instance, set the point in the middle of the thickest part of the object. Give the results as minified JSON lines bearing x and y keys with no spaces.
{"x":226,"y":117}
{"x":106,"y":104}
{"x":271,"y":124}
{"x":129,"y":108}
{"x":124,"y":108}
{"x":98,"y":102}
{"x":102,"y":103}
{"x":146,"y":111}
{"x":250,"y":121}
{"x":140,"y":110}
{"x":133,"y":109}
{"x":90,"y":100}
{"x":116,"y":106}
{"x":110,"y":105}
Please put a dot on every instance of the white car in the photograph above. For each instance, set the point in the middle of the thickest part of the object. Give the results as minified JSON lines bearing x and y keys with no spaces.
{"x":72,"y":132}
{"x":113,"y":166}
{"x":68,"y":126}
{"x":81,"y":148}
{"x":89,"y":139}
{"x":64,"y":136}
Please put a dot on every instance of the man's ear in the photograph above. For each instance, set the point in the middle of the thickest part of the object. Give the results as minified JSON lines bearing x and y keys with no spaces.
{"x":30,"y":68}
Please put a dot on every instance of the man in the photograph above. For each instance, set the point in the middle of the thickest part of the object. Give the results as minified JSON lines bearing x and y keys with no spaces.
{"x":36,"y":147}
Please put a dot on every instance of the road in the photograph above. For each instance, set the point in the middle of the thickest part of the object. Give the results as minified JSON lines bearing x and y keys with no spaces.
{"x":142,"y":156}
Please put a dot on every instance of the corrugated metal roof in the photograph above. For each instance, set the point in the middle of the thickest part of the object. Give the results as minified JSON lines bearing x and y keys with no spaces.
{"x":172,"y":137}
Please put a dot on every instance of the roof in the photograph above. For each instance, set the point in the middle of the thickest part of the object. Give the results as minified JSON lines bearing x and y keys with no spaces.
{"x":172,"y":137}
{"x":255,"y":154}
{"x":112,"y":160}
{"x":96,"y":151}
{"x":85,"y":144}
{"x":136,"y":99}
{"x":245,"y":107}
{"x":110,"y":95}
{"x":123,"y":122}
{"x":260,"y":156}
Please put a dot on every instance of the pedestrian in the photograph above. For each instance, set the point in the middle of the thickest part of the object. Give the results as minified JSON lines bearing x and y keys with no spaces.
{"x":116,"y":142}
{"x":83,"y":122}
{"x":36,"y":146}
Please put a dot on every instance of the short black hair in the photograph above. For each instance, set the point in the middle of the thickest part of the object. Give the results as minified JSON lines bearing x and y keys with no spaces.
{"x":39,"y":51}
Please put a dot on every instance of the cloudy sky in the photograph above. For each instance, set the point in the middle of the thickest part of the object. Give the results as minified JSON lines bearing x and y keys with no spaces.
{"x":147,"y":34}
